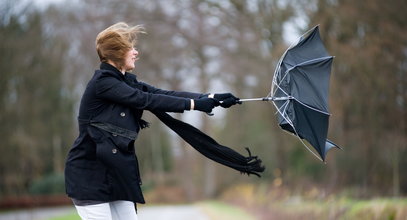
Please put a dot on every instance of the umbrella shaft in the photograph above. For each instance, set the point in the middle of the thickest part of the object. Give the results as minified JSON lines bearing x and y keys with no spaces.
{"x":266,"y":99}
{"x":255,"y":99}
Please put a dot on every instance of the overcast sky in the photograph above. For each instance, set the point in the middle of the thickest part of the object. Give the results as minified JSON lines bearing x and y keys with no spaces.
{"x":291,"y":33}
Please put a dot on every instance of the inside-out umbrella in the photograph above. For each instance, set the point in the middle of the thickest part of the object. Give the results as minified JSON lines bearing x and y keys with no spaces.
{"x":300,"y":89}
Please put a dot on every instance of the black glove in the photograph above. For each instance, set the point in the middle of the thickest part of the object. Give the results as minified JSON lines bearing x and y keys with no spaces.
{"x":205,"y":104}
{"x":228,"y":99}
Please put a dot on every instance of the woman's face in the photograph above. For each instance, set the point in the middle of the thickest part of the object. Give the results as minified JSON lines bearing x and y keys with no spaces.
{"x":129,"y":59}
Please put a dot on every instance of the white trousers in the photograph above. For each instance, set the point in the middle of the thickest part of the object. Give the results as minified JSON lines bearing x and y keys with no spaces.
{"x":117,"y":210}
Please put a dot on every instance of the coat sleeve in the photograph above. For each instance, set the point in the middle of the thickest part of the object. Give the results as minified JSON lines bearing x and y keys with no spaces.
{"x":190,"y":95}
{"x":117,"y":91}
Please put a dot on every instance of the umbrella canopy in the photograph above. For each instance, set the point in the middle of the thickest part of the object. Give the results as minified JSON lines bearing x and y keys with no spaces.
{"x":300,"y":91}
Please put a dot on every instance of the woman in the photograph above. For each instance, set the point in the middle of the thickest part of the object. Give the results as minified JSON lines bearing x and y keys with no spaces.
{"x":102,"y":174}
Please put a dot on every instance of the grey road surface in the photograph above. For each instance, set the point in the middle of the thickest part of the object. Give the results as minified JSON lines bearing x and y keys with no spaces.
{"x":36,"y":214}
{"x":182,"y":212}
{"x":179,"y":212}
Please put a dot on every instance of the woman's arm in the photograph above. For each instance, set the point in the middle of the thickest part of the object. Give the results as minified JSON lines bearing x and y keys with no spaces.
{"x":117,"y":91}
{"x":183,"y":94}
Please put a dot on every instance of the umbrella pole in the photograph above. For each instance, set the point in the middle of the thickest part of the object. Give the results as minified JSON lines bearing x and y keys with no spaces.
{"x":267,"y":99}
{"x":256,"y":99}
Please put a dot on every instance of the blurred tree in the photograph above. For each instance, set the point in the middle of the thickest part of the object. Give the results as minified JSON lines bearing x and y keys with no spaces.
{"x":251,"y":44}
{"x":369,"y":89}
{"x":36,"y":106}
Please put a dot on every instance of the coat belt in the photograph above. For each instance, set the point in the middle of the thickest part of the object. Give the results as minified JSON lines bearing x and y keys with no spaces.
{"x":113,"y":129}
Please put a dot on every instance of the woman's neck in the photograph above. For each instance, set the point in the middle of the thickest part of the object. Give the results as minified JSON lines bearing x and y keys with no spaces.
{"x":121,"y":70}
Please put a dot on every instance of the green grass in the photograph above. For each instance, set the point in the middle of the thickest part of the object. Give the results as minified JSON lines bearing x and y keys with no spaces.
{"x":343,"y":209}
{"x":221,"y":211}
{"x":72,"y":216}
{"x":377,"y":209}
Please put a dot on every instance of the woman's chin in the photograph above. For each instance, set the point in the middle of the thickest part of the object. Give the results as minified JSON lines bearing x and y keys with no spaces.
{"x":130,"y":69}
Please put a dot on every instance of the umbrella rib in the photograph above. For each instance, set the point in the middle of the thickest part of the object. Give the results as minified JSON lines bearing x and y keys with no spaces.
{"x":312,"y":61}
{"x":283,"y":115}
{"x":304,"y":63}
{"x":278,"y":86}
{"x":308,"y":147}
{"x":274,"y":81}
{"x":285,"y":105}
{"x":312,"y":108}
{"x":276,"y":73}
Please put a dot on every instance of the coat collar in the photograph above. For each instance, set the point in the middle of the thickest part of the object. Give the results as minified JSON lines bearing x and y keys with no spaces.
{"x":106,"y":66}
{"x":111,"y":68}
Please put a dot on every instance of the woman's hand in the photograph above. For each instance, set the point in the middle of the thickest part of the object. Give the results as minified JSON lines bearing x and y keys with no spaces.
{"x":226,"y":99}
{"x":204,"y":104}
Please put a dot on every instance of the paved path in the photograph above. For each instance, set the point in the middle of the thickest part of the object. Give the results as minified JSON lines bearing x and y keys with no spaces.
{"x":179,"y":212}
{"x":36,"y":214}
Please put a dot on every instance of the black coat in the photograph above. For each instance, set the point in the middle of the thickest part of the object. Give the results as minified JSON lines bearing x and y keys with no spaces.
{"x":102,"y":164}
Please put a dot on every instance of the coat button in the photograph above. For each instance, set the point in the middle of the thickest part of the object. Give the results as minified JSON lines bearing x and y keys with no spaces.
{"x":114,"y":135}
{"x":122,"y":114}
{"x":114,"y":150}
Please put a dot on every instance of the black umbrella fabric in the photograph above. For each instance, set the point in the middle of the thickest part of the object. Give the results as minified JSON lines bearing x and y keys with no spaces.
{"x":300,"y":91}
{"x":301,"y":80}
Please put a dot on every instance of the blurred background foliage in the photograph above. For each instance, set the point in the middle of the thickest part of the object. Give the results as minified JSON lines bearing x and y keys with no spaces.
{"x":48,"y":55}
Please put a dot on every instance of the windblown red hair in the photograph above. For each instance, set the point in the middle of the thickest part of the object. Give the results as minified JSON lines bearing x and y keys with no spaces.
{"x":115,"y":41}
